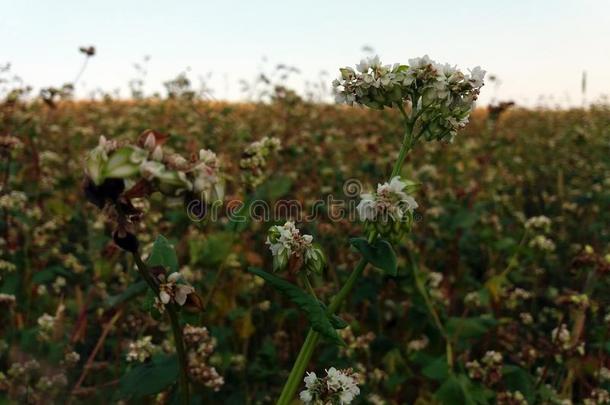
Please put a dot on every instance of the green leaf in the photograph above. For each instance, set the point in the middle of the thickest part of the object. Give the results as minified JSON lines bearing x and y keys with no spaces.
{"x":131,"y":291}
{"x":319,"y":320}
{"x":149,"y":378}
{"x":338,"y":322}
{"x":380,"y":254}
{"x":163,"y":254}
{"x":437,"y":369}
{"x":517,"y":379}
{"x":51,"y":273}
{"x":470,"y":327}
{"x":458,"y":389}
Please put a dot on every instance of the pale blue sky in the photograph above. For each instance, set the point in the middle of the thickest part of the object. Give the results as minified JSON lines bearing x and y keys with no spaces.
{"x":536,"y":47}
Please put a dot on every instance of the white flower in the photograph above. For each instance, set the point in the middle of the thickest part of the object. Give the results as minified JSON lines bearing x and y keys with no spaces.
{"x":363,"y":66}
{"x":443,"y":94}
{"x":310,"y":380}
{"x":539,"y":222}
{"x":476,"y":76}
{"x":286,"y":241}
{"x":306,"y":396}
{"x":390,"y":201}
{"x":141,"y":350}
{"x":170,"y":290}
{"x":332,"y":375}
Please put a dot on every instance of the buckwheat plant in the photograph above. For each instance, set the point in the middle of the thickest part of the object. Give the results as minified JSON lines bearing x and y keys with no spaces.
{"x":435,"y":101}
{"x":117,"y":174}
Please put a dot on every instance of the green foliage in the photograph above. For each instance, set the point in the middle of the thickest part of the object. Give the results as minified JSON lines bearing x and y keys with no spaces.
{"x":379,"y":253}
{"x":148,"y":378}
{"x":320,"y":321}
{"x":458,"y":389}
{"x":163,"y":254}
{"x":132,"y":291}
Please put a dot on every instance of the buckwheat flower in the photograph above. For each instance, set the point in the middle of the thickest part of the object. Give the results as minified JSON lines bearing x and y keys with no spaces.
{"x":7,"y":300}
{"x":206,"y":177}
{"x":8,"y":143}
{"x":337,"y":387}
{"x":46,"y":325}
{"x":542,"y":243}
{"x":473,"y":299}
{"x":390,"y":202}
{"x":14,"y":200}
{"x":141,"y":350}
{"x":441,"y":94}
{"x":310,"y":380}
{"x":540,"y":222}
{"x":477,"y":75}
{"x":253,"y":163}
{"x":171,"y":290}
{"x":389,"y":210}
{"x":510,"y":398}
{"x":526,"y":318}
{"x":598,"y":396}
{"x":492,"y":358}
{"x":418,"y":344}
{"x":603,"y":374}
{"x":200,"y":346}
{"x":306,"y":396}
{"x":288,"y":245}
{"x":71,"y":358}
{"x":6,"y":266}
{"x":562,"y":337}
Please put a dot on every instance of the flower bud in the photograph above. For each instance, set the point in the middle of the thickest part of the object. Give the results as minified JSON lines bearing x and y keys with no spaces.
{"x":314,"y":260}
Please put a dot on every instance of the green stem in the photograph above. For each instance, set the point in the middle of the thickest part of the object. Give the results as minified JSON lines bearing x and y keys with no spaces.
{"x":176,"y":329}
{"x":298,"y":369}
{"x":182,"y":361}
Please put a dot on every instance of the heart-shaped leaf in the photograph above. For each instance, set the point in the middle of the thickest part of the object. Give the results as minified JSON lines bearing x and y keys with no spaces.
{"x":163,"y":254}
{"x":379,"y":253}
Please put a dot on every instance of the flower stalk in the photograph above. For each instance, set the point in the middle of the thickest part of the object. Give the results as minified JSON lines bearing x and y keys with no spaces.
{"x":176,"y":329}
{"x":307,"y":349}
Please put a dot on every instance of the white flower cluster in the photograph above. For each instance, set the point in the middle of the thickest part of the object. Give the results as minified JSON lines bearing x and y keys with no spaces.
{"x":7,"y":300}
{"x":6,"y":266}
{"x":416,"y":345}
{"x":254,"y":160}
{"x":172,"y":290}
{"x":562,"y":337}
{"x":511,"y":398}
{"x":15,"y":200}
{"x":598,"y":396}
{"x":46,"y":326}
{"x":443,"y":95}
{"x":489,"y":370}
{"x":542,"y":243}
{"x":141,"y":350}
{"x":287,"y":244}
{"x":390,"y":202}
{"x":200,"y":346}
{"x":8,"y":142}
{"x":540,"y":222}
{"x":339,"y":386}
{"x":169,"y":173}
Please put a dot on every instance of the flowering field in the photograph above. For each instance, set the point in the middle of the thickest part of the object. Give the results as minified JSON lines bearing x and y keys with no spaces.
{"x":174,"y":250}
